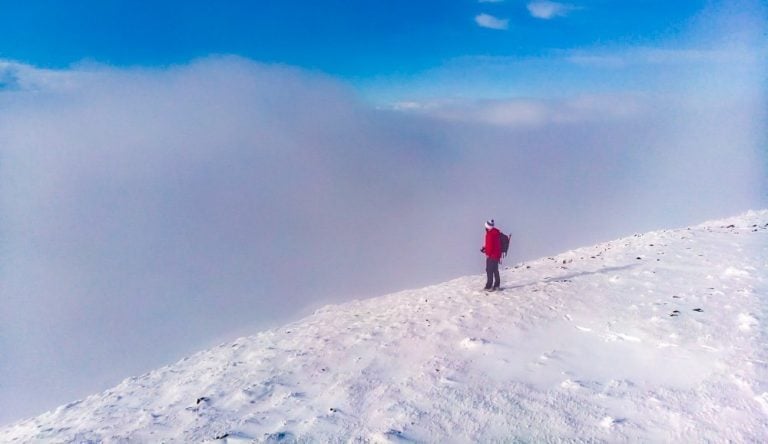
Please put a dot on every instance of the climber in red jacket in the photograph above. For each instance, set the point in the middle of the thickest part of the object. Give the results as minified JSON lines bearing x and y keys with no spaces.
{"x":492,"y":250}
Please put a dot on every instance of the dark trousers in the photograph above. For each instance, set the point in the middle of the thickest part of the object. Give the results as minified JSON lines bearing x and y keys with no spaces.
{"x":492,"y":270}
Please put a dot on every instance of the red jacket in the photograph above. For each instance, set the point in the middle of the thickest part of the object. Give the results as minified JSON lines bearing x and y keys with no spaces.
{"x":493,"y":244}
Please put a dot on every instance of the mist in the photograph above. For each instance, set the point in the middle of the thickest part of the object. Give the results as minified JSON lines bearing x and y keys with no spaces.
{"x":149,"y":213}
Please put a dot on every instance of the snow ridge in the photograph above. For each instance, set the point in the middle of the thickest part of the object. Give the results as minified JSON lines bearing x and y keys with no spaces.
{"x":655,"y":337}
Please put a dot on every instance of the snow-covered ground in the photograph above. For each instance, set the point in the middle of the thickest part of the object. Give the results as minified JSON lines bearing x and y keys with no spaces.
{"x":660,"y":337}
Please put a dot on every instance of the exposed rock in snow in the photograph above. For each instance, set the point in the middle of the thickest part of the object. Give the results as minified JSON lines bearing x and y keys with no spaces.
{"x":656,"y":337}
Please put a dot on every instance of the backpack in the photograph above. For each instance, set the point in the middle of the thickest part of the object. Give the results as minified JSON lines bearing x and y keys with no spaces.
{"x":504,"y":239}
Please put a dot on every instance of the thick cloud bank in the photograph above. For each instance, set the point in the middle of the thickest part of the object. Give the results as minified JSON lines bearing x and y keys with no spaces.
{"x":146,"y":213}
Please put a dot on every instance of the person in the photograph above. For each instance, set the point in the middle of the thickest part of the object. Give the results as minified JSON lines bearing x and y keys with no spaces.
{"x":492,"y":250}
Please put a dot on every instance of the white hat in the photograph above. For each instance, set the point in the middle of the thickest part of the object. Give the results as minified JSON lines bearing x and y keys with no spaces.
{"x":489,"y":224}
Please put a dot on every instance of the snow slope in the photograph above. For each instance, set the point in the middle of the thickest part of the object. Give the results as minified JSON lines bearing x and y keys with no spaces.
{"x":658,"y":337}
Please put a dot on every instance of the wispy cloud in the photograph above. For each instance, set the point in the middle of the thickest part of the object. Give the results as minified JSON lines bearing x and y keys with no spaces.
{"x":16,"y":76}
{"x":718,"y":71}
{"x":491,"y":22}
{"x":530,"y":113}
{"x":546,"y":10}
{"x":662,"y":56}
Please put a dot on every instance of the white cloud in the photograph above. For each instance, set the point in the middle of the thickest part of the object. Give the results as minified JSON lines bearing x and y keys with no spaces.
{"x":16,"y":76}
{"x":546,"y":10}
{"x":530,"y":113}
{"x":491,"y":22}
{"x":197,"y":195}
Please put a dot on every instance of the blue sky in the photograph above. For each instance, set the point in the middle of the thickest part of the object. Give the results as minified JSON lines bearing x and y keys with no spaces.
{"x":350,"y":38}
{"x":369,"y":43}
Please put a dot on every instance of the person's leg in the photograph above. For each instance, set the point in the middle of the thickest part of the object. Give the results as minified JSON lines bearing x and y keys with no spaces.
{"x":496,"y":276}
{"x":489,"y":272}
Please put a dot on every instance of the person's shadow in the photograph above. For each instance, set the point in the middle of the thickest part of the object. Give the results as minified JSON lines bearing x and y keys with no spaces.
{"x":571,"y":276}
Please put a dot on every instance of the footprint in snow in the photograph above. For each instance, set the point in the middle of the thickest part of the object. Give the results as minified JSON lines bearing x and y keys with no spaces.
{"x":470,"y":343}
{"x":621,"y":337}
{"x":552,"y":355}
{"x":570,"y":384}
{"x":391,"y":435}
{"x":279,"y":437}
{"x":608,"y":422}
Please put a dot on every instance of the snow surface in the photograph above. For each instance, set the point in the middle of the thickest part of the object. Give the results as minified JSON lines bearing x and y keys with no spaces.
{"x":658,"y":337}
